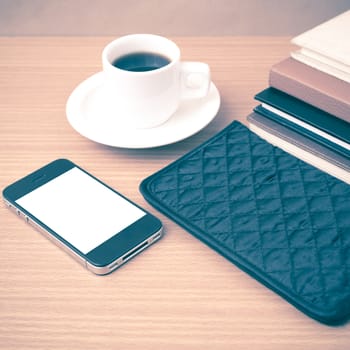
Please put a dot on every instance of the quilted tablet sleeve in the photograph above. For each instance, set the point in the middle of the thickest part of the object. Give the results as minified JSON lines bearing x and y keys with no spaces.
{"x":284,"y":222}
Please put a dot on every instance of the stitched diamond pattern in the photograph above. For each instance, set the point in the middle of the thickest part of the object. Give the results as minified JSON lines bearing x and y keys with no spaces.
{"x":283,"y":221}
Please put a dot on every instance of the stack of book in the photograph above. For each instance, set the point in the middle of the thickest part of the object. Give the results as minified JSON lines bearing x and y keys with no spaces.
{"x":306,"y":108}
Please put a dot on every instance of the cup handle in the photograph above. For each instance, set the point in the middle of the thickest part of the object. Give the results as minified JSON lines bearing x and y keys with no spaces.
{"x":195,"y":79}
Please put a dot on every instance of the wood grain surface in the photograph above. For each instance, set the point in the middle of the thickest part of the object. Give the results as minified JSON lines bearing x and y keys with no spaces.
{"x":179,"y":294}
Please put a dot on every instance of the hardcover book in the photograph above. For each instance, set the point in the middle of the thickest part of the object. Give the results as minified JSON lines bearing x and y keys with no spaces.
{"x":305,"y":58}
{"x":300,"y":146}
{"x":304,"y":118}
{"x":312,"y":86}
{"x":326,"y":47}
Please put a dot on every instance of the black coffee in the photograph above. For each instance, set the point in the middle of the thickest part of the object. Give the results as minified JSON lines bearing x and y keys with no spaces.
{"x":141,"y":61}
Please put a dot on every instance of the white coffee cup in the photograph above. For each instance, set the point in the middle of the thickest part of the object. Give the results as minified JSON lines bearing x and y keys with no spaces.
{"x":145,"y":99}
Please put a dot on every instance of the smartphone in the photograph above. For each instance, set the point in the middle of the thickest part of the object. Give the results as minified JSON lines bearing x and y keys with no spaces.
{"x":95,"y":224}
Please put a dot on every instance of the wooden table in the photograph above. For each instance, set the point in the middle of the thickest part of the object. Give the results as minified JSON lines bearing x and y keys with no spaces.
{"x":179,"y":294}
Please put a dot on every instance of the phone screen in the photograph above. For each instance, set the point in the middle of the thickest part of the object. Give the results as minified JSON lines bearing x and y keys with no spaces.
{"x":80,"y":209}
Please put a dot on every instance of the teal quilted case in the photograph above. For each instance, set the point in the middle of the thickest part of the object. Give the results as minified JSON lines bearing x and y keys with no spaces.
{"x":284,"y":222}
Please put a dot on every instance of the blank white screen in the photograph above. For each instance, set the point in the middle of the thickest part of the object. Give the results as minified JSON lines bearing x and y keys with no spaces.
{"x":80,"y":209}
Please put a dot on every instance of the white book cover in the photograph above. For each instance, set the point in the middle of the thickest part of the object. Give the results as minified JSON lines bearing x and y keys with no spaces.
{"x":330,"y":40}
{"x":321,"y":66}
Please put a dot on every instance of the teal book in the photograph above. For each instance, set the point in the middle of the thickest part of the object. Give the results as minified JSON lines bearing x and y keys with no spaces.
{"x":305,"y":119}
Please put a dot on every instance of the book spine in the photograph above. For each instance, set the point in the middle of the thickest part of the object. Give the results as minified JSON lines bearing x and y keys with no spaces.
{"x":325,"y":141}
{"x":301,"y":147}
{"x":310,"y":95}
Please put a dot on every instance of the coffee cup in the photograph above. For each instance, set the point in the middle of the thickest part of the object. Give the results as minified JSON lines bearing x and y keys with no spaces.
{"x":146,"y":80}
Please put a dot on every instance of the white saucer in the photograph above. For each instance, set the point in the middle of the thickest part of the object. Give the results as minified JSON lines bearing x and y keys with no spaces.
{"x":90,"y":113}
